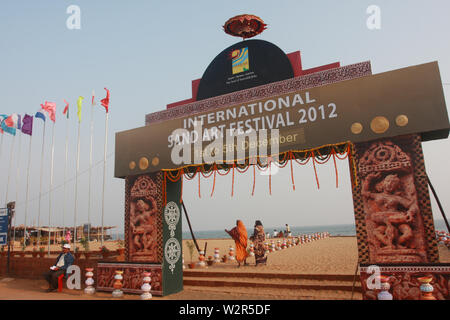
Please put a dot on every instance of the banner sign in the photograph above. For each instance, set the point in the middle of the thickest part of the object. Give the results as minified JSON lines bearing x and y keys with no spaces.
{"x":4,"y":221}
{"x":403,"y":101}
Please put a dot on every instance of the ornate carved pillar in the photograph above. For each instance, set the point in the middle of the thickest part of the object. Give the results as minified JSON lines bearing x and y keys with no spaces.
{"x":153,"y":237}
{"x":394,"y":222}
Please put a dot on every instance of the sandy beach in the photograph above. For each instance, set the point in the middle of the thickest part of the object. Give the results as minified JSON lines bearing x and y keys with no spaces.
{"x":336,"y":255}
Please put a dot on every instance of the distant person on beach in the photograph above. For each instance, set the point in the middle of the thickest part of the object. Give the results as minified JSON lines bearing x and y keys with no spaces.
{"x":288,"y":231}
{"x":63,"y":261}
{"x":68,"y":236}
{"x":275,"y":233}
{"x":27,"y":238}
{"x":239,"y":235}
{"x":258,"y":239}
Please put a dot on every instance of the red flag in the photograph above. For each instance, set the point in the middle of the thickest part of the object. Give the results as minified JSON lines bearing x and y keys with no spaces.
{"x":66,"y":109}
{"x":93,"y":97}
{"x":50,"y":107}
{"x":105,"y":102}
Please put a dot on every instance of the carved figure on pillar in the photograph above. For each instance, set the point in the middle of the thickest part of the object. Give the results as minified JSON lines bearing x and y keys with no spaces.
{"x":143,"y":215}
{"x":393,"y":220}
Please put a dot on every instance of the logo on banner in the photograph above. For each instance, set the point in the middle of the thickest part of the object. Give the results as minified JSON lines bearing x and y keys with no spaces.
{"x":240,"y":61}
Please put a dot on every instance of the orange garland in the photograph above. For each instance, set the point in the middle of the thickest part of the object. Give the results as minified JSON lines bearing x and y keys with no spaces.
{"x":315,"y":170}
{"x":214,"y":181}
{"x":287,"y":157}
{"x":254,"y":174}
{"x":291,"y":155}
{"x":335,"y":167}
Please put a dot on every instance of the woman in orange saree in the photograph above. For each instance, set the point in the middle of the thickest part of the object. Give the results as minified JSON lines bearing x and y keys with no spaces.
{"x":239,"y":235}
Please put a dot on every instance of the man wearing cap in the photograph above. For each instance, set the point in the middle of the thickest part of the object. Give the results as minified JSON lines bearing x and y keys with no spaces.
{"x":63,"y":261}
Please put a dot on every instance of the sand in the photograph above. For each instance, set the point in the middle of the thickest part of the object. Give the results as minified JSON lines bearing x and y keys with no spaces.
{"x":334,"y":255}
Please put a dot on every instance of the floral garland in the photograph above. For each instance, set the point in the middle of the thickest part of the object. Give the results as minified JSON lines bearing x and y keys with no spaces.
{"x":320,"y":155}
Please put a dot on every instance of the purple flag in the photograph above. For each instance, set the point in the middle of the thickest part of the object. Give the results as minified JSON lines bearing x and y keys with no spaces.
{"x":27,"y":124}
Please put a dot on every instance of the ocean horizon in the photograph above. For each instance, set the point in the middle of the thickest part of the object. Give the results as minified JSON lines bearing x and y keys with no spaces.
{"x":334,"y":230}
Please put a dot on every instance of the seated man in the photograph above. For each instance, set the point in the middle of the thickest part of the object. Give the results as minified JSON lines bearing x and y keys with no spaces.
{"x":63,"y":261}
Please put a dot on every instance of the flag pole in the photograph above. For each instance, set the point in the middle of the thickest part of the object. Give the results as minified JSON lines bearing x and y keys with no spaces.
{"x":76,"y":192}
{"x":90,"y":167}
{"x":9,"y":172}
{"x":1,"y":144}
{"x":51,"y":186}
{"x":65,"y":176}
{"x":28,"y":179}
{"x":40,"y":188}
{"x":104,"y":172}
{"x":17,"y":185}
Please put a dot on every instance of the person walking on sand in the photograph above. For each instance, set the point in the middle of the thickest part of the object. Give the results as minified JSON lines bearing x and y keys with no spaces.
{"x":239,"y":235}
{"x":258,"y":239}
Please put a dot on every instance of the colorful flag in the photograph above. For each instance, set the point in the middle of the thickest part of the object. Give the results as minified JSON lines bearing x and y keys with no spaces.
{"x":12,"y":120}
{"x":40,"y":115}
{"x":9,"y":124}
{"x":105,"y":102}
{"x":7,"y":129}
{"x":66,"y":109}
{"x":79,"y":104}
{"x":2,"y":118}
{"x":27,"y":124}
{"x":50,"y":107}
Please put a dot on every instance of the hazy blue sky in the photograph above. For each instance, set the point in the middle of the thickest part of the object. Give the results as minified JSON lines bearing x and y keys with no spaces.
{"x":147,"y":53}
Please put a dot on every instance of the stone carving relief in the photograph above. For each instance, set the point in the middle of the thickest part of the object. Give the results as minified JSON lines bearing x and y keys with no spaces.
{"x":143,"y":233}
{"x":404,"y":285}
{"x":132,"y":278}
{"x":394,"y":224}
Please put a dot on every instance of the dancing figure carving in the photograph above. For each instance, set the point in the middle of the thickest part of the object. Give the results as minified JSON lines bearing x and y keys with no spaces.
{"x":143,"y":220}
{"x":393,"y":222}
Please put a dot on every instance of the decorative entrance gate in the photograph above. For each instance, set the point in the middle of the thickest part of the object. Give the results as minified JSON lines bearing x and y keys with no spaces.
{"x":380,"y":120}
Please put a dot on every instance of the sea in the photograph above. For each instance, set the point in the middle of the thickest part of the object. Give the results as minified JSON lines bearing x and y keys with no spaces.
{"x":336,"y":230}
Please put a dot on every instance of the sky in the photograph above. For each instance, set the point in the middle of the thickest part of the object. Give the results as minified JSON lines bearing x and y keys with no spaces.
{"x":147,"y":53}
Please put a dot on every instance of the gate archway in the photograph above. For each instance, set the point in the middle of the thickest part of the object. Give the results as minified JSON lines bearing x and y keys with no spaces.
{"x":379,"y":120}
